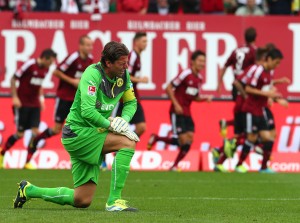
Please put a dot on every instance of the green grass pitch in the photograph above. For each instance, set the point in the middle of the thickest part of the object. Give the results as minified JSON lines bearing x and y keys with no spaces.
{"x":164,"y":197}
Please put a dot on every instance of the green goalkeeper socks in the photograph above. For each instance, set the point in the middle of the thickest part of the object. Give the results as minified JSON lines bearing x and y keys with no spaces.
{"x":59,"y":195}
{"x":119,"y":173}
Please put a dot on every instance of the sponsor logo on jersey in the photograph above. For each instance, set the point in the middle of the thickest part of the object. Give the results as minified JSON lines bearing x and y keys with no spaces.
{"x":36,"y":81}
{"x":120,"y":82}
{"x":104,"y":107}
{"x":191,"y":91}
{"x":91,"y":90}
{"x":107,"y":107}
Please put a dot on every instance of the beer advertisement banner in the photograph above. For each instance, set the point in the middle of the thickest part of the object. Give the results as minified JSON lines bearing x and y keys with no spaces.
{"x":170,"y":43}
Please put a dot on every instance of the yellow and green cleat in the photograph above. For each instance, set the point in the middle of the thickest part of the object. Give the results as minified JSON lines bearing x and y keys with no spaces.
{"x":120,"y":205}
{"x":223,"y":128}
{"x":220,"y":168}
{"x":21,"y":198}
{"x":152,"y":140}
{"x":29,"y":166}
{"x":215,"y":155}
{"x":229,"y":147}
{"x":241,"y":169}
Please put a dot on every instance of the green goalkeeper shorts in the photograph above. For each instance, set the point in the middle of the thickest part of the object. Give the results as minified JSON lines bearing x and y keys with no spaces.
{"x":84,"y":146}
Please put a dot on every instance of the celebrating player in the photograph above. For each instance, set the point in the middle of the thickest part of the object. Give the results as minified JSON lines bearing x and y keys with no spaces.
{"x":256,"y":123}
{"x":229,"y":146}
{"x":240,"y":59}
{"x":90,"y":133}
{"x":183,"y":90}
{"x":28,"y":97}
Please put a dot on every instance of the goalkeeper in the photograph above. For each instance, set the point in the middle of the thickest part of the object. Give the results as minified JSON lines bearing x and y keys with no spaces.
{"x":90,"y":133}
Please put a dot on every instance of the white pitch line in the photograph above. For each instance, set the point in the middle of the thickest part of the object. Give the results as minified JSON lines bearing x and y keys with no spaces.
{"x":167,"y":181}
{"x":200,"y":198}
{"x":224,"y":198}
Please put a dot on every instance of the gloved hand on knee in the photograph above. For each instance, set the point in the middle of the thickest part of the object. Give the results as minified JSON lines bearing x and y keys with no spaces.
{"x":118,"y":125}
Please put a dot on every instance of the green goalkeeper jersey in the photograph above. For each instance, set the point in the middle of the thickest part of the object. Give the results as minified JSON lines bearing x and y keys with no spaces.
{"x":97,"y":96}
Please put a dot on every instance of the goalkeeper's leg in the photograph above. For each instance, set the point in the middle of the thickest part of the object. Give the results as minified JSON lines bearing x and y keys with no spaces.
{"x":120,"y":169}
{"x":80,"y":197}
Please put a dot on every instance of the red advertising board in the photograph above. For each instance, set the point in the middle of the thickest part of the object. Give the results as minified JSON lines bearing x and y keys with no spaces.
{"x":206,"y":117}
{"x":280,"y":162}
{"x":171,"y":39}
{"x":142,"y":160}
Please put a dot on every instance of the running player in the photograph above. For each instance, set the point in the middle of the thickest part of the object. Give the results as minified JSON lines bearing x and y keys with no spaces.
{"x":229,"y":145}
{"x":90,"y":133}
{"x":28,"y":97}
{"x":256,"y":125}
{"x":182,"y":91}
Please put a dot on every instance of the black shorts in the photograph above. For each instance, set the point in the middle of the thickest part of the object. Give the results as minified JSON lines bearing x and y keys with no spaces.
{"x":254,"y":124}
{"x":62,"y":109}
{"x":234,"y":92}
{"x":181,"y":124}
{"x":269,"y":117}
{"x":27,"y":118}
{"x":239,"y":123}
{"x":139,"y":115}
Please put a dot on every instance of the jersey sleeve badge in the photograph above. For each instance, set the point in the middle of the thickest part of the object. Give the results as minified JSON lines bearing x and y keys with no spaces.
{"x":91,"y":90}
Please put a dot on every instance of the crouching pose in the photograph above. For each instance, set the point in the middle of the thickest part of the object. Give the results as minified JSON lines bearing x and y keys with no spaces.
{"x":90,"y":133}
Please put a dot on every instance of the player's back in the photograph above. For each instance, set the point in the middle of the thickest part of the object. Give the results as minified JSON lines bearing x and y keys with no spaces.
{"x":241,"y":58}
